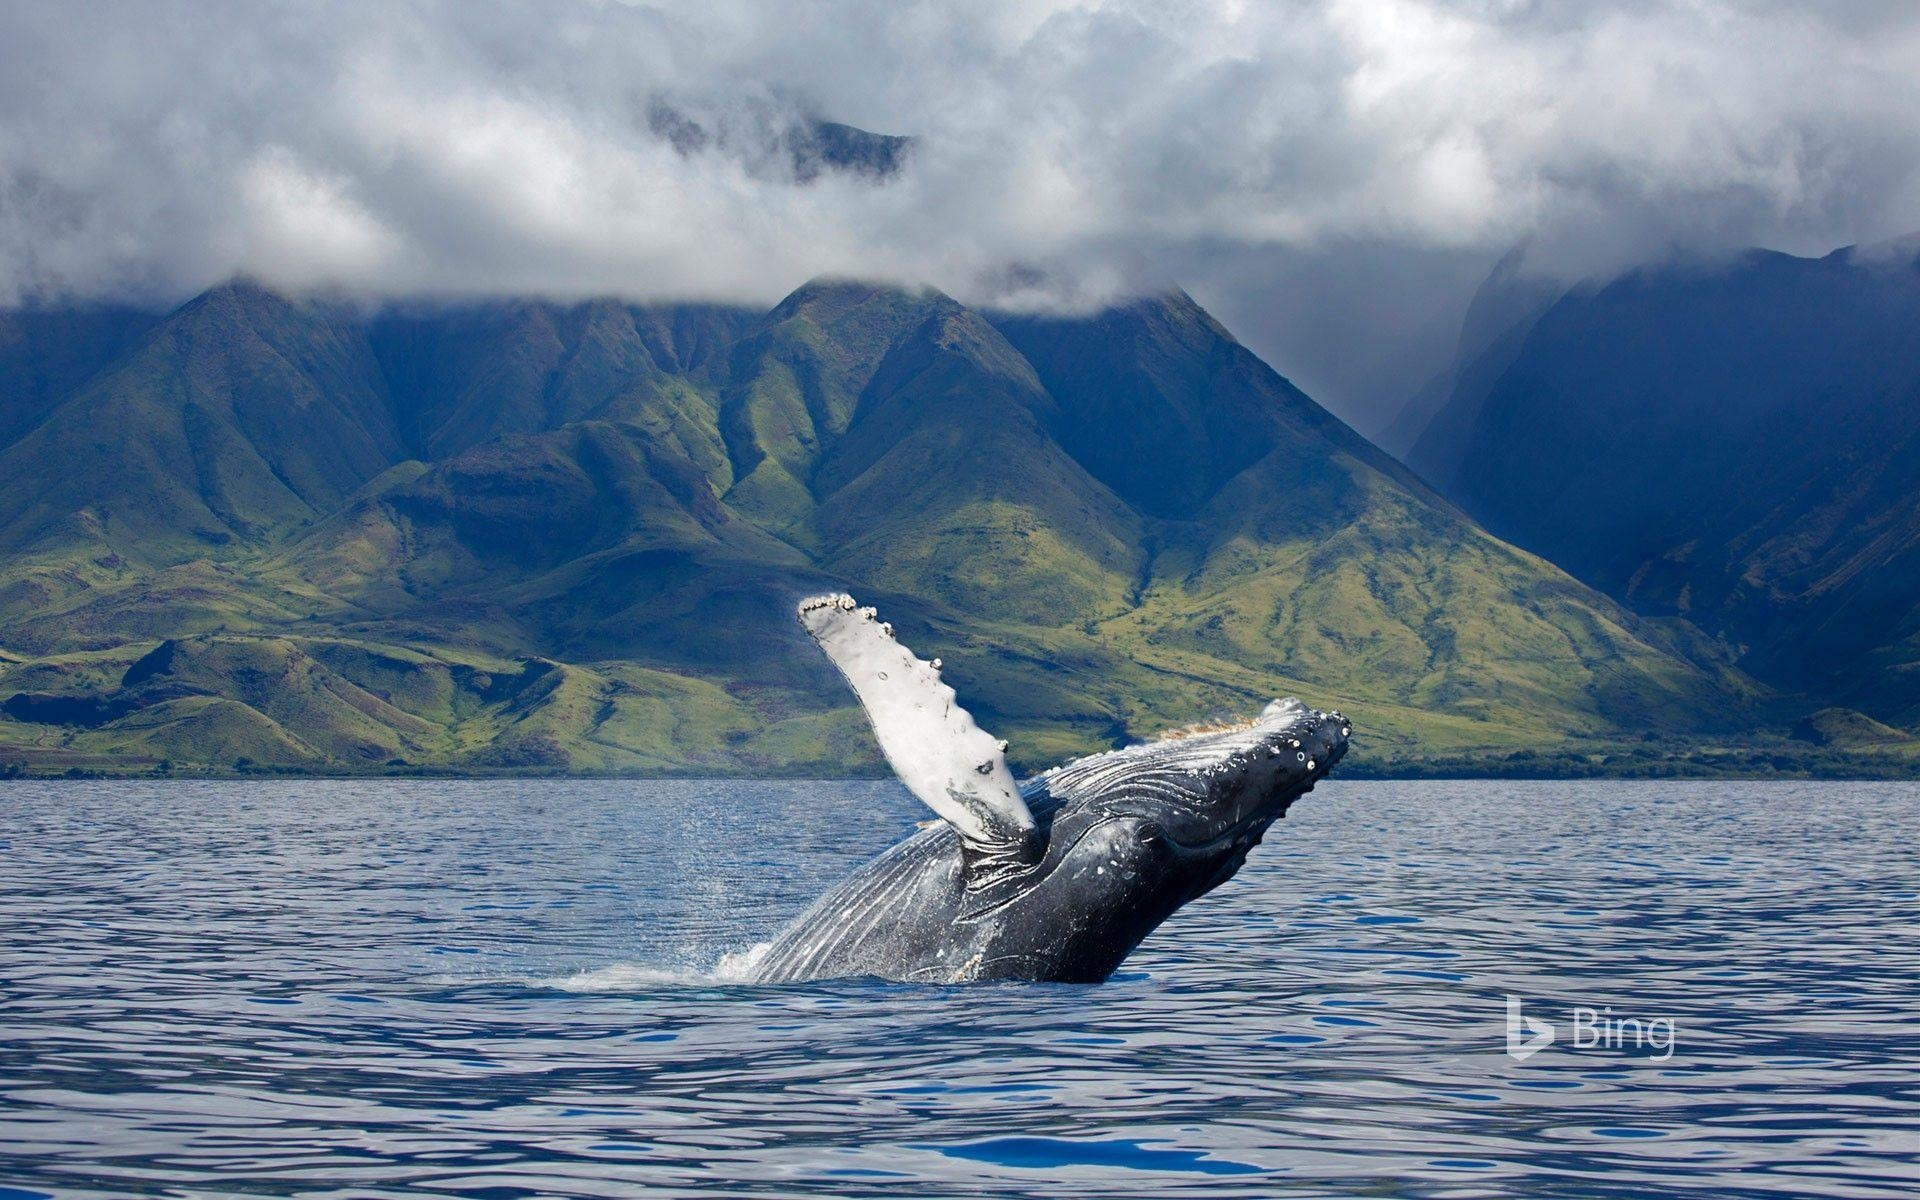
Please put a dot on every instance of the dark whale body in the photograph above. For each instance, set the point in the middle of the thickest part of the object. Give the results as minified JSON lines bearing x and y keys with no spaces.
{"x":1120,"y":840}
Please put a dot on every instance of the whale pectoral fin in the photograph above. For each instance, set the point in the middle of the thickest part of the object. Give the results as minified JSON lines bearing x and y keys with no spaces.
{"x":956,"y":768}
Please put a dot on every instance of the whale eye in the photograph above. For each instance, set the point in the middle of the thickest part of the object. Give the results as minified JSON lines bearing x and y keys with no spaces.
{"x":1309,"y":764}
{"x":1302,"y":756}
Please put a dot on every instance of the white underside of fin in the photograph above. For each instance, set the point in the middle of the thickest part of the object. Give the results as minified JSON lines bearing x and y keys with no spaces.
{"x":956,"y":768}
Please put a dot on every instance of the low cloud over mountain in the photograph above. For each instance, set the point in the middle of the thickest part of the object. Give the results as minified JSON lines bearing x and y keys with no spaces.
{"x":1373,"y":156}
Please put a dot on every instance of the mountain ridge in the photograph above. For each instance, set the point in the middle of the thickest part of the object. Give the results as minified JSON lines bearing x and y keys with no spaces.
{"x":612,"y":507}
{"x":1735,"y":443}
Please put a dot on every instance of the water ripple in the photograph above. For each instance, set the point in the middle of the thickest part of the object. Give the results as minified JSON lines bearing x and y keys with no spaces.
{"x":503,"y":989}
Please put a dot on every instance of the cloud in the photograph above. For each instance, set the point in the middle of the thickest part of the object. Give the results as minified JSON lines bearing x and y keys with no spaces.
{"x":148,"y":149}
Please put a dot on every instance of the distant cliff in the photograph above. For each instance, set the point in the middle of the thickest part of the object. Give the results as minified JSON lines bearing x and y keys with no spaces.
{"x":1737,"y":443}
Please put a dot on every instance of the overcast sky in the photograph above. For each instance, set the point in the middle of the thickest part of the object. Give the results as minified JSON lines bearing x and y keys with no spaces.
{"x":1331,"y":179}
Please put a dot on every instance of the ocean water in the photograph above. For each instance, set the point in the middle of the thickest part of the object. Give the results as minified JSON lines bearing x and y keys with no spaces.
{"x":503,"y":989}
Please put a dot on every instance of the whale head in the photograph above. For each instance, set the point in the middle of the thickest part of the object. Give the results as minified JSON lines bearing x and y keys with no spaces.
{"x":1198,"y":788}
{"x":1138,"y":832}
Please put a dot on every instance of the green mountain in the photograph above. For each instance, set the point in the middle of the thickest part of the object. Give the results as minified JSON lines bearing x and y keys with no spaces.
{"x":241,"y":416}
{"x":285,"y":534}
{"x":46,"y":354}
{"x":1737,"y":444}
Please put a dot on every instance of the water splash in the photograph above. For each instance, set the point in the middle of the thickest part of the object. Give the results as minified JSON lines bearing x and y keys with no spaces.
{"x":739,"y":965}
{"x":628,"y":977}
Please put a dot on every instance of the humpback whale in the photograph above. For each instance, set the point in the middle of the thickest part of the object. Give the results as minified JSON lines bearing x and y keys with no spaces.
{"x":1057,"y":881}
